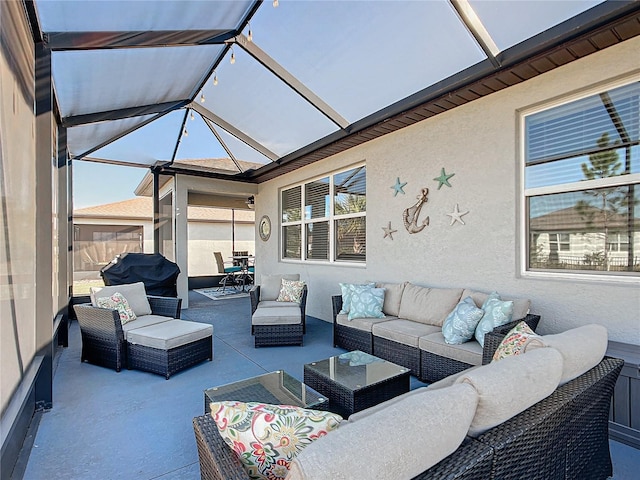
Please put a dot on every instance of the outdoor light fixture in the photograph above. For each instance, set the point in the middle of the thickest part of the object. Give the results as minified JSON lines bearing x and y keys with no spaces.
{"x":249,"y":34}
{"x":250,"y":202}
{"x":192,"y":117}
{"x":202,"y":98}
{"x":275,"y":3}
{"x":215,"y":78}
{"x":185,"y":133}
{"x":233,"y":57}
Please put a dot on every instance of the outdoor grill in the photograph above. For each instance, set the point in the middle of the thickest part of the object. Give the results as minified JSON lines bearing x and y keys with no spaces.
{"x":158,"y":274}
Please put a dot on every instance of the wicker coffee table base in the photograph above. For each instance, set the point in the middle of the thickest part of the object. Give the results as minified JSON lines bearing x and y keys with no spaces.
{"x":344,"y":401}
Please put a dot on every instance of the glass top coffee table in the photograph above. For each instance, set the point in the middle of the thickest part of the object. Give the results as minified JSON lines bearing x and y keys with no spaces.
{"x":356,"y":380}
{"x":278,"y":388}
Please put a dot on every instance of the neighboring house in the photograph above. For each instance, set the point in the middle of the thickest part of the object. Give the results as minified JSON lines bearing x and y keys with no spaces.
{"x":583,"y":239}
{"x":104,"y":231}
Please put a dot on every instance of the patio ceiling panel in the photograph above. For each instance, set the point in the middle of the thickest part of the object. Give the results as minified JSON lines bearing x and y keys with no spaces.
{"x":362,"y":56}
{"x":136,"y":15}
{"x":105,"y":80}
{"x":510,"y":23}
{"x":149,"y":144}
{"x":83,"y":138}
{"x":253,"y":100}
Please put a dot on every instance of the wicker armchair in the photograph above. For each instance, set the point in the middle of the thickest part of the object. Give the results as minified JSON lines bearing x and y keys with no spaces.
{"x":103,"y":341}
{"x":277,"y":334}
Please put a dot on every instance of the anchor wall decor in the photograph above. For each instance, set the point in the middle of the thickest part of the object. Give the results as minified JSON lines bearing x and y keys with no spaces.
{"x":411,"y":214}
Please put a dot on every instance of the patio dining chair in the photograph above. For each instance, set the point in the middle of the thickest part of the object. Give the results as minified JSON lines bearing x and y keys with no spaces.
{"x":229,"y":272}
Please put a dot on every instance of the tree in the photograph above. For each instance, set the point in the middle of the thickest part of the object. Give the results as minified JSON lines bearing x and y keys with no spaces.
{"x":604,"y":163}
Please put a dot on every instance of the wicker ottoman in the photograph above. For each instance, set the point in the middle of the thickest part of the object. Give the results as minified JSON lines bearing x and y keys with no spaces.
{"x":273,"y":326}
{"x":168,"y":347}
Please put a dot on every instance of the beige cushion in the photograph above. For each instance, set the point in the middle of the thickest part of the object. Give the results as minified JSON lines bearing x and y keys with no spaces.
{"x":403,"y":331}
{"x":521,"y":306}
{"x":392,"y":297}
{"x":285,"y":315}
{"x":428,"y":305}
{"x":270,"y":284}
{"x":171,"y":334}
{"x":512,"y":385}
{"x":468,"y":352}
{"x":581,"y":348}
{"x":275,"y":303}
{"x":135,"y":294}
{"x":145,"y":321}
{"x":364,"y":324}
{"x":384,"y":445}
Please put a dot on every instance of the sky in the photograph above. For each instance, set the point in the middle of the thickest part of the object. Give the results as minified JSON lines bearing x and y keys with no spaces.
{"x":98,"y":183}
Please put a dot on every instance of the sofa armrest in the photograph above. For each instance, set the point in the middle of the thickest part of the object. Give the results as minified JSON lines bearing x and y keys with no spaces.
{"x":254,"y":294}
{"x":492,"y":339}
{"x":99,"y":322}
{"x":336,"y":301}
{"x":217,"y":460}
{"x":165,"y":306}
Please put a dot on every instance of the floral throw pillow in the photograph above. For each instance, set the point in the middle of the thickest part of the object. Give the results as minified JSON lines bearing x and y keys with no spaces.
{"x":119,"y":303}
{"x":461,"y":323}
{"x":367,"y":303}
{"x":290,"y":291}
{"x":496,"y":313}
{"x":516,"y":341}
{"x":266,"y":437}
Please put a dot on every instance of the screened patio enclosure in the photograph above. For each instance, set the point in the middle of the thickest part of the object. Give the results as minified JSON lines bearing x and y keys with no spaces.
{"x":281,"y":84}
{"x":263,"y":88}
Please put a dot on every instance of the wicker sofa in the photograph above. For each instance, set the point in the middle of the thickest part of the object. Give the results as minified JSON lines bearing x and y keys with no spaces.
{"x":562,"y":435}
{"x":410,"y":334}
{"x":156,"y":341}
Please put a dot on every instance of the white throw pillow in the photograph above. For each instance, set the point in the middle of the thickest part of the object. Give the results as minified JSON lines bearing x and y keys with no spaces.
{"x":270,"y":284}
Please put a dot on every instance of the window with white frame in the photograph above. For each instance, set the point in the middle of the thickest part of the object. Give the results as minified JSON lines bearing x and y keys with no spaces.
{"x":582,"y":184}
{"x":325,"y":219}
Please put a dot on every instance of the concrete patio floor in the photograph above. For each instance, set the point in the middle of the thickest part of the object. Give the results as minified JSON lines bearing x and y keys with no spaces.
{"x":136,"y":425}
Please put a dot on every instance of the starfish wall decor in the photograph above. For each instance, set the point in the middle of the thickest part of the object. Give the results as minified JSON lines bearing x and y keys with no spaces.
{"x":456,"y":215}
{"x":398,"y":187}
{"x":388,"y":231}
{"x":443,"y":179}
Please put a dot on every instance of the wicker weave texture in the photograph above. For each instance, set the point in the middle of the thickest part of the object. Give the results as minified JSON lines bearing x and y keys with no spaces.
{"x":398,"y":353}
{"x":274,"y":335}
{"x":563,"y":436}
{"x":217,"y":460}
{"x":168,"y":362}
{"x":436,"y":367}
{"x":345,"y":401}
{"x":102,"y":336}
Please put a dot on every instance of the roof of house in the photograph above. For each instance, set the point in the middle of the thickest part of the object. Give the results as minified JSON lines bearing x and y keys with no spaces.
{"x":142,"y":208}
{"x":573,"y":219}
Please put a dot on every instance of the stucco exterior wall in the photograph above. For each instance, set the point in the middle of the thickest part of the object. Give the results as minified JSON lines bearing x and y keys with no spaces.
{"x":479,"y":143}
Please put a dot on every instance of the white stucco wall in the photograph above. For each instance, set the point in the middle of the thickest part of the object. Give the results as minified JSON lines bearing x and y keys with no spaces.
{"x":479,"y":143}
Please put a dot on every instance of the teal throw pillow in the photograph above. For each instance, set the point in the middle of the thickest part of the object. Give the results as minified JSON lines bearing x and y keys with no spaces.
{"x":366,"y":302}
{"x":496,"y":313}
{"x":461,"y":323}
{"x":347,"y":292}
